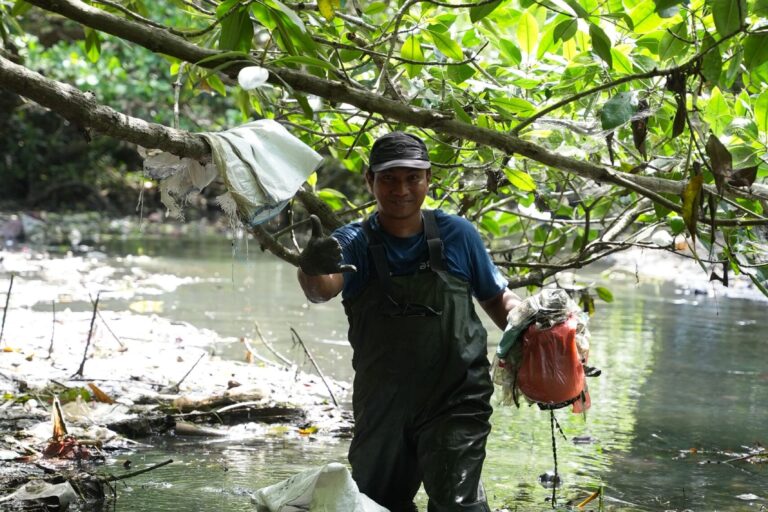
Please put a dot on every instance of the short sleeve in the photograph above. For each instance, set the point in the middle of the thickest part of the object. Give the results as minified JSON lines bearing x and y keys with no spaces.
{"x":468,"y":257}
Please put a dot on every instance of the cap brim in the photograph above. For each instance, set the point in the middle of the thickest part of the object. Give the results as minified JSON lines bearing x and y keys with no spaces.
{"x":406,"y":162}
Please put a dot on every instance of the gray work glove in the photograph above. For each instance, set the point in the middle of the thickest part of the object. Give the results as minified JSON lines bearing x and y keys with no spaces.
{"x":322,"y":255}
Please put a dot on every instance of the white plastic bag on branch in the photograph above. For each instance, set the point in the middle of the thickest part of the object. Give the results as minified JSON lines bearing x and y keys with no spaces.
{"x":262,"y":165}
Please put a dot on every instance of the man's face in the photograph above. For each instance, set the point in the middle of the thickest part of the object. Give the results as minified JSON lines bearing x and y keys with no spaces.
{"x":399,"y":191}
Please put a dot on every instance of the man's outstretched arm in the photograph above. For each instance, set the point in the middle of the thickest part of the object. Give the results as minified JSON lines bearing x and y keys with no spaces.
{"x":320,"y":288}
{"x":499,"y":306}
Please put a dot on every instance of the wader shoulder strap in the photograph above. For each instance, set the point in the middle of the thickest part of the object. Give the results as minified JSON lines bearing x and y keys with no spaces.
{"x":379,"y":255}
{"x":434,"y":242}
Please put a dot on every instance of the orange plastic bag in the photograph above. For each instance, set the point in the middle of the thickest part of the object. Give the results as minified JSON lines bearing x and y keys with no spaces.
{"x":551,"y":373}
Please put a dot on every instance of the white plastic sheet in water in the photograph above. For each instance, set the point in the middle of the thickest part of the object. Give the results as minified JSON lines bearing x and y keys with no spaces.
{"x":329,"y":488}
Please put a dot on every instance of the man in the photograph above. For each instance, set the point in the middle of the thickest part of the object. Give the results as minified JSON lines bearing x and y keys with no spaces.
{"x":422,"y":385}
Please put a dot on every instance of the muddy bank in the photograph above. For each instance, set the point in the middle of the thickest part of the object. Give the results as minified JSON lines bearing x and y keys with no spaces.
{"x":122,"y":377}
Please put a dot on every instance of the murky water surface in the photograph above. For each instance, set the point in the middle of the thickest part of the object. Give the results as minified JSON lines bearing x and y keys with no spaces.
{"x":684,"y":380}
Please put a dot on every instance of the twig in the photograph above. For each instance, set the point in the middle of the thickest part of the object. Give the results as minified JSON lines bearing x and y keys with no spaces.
{"x":5,"y":309}
{"x":745,"y":457}
{"x":251,"y":351}
{"x":177,"y":93}
{"x":176,"y":386}
{"x":53,"y":328}
{"x":296,"y":337}
{"x":139,"y":472}
{"x":122,"y":345}
{"x":79,"y":372}
{"x":270,"y":347}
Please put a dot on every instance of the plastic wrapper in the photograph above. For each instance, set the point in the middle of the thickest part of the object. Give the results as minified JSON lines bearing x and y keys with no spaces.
{"x":542,"y":354}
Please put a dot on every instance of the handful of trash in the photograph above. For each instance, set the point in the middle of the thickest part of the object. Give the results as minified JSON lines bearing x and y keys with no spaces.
{"x":543,"y":353}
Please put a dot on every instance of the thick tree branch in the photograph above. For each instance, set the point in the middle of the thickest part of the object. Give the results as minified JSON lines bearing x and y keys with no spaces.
{"x":83,"y":110}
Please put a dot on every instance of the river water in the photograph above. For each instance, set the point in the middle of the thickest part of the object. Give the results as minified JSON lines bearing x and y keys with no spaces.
{"x":684,"y":385}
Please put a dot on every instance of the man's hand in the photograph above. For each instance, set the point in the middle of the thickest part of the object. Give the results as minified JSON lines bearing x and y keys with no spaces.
{"x":322,"y":255}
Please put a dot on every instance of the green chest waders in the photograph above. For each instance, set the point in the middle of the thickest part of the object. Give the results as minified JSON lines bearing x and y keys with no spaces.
{"x":422,"y":386}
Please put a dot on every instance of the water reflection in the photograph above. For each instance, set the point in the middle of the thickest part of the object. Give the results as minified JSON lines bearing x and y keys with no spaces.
{"x":683,"y":379}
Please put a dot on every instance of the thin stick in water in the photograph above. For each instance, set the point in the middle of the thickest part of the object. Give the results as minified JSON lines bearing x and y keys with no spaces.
{"x":139,"y":472}
{"x":270,"y":347}
{"x":53,"y":328}
{"x":253,"y":353}
{"x":107,"y":325}
{"x":5,"y":309}
{"x":296,"y":337}
{"x":79,"y":372}
{"x":556,"y":479}
{"x":176,"y":386}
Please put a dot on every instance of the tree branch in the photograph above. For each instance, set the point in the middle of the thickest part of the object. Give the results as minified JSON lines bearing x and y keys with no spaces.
{"x":83,"y":110}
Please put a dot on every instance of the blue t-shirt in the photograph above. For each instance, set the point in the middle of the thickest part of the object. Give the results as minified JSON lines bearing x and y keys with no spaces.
{"x":463,"y":252}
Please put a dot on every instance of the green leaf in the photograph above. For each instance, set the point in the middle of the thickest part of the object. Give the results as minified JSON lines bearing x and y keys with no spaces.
{"x":578,"y":8}
{"x":668,"y":8}
{"x":328,"y":8}
{"x":760,"y":8}
{"x":479,"y":12}
{"x":411,"y":50}
{"x":513,"y":107}
{"x":459,"y":74}
{"x":565,"y":30}
{"x":510,"y":51}
{"x":226,"y":6}
{"x":333,"y":198}
{"x":691,"y":203}
{"x":755,"y":50}
{"x":676,"y":225}
{"x":673,"y":44}
{"x":305,"y":106}
{"x":644,"y":17}
{"x":215,"y":83}
{"x":734,"y":67}
{"x":718,"y":114}
{"x":761,"y":112}
{"x":461,"y":114}
{"x":305,"y":60}
{"x":92,"y":45}
{"x":445,"y":44}
{"x":292,"y":37}
{"x":20,"y":8}
{"x":720,"y":160}
{"x":527,"y":33}
{"x":520,"y":179}
{"x":621,"y":62}
{"x":236,"y":32}
{"x":604,"y":293}
{"x":617,"y":111}
{"x":601,"y":45}
{"x":289,"y":13}
{"x":728,"y":15}
{"x":264,"y":15}
{"x":375,"y":8}
{"x":470,"y":39}
{"x":712,"y":63}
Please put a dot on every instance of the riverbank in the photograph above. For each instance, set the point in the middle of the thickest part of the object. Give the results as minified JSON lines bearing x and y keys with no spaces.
{"x":681,"y":270}
{"x":154,"y":376}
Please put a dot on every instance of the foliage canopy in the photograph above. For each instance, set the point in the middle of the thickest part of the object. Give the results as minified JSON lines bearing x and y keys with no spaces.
{"x":566,"y":130}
